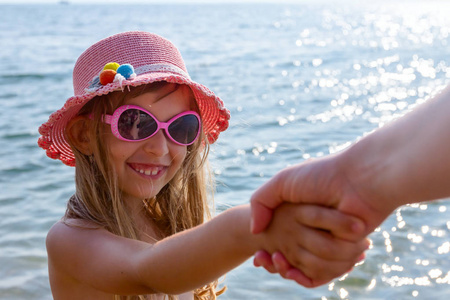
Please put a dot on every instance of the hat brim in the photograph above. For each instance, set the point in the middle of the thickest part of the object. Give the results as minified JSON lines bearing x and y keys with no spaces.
{"x":212,"y":112}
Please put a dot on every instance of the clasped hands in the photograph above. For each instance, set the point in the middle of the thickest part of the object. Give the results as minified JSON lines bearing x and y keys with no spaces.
{"x":314,"y":221}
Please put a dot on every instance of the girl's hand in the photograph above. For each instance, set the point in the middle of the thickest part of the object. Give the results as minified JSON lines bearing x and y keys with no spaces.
{"x":312,"y":244}
{"x":277,"y":263}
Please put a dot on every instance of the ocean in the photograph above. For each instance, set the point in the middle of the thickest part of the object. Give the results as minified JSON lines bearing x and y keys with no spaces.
{"x":301,"y":81}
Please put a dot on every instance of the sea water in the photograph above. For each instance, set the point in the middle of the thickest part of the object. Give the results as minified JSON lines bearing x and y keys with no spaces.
{"x":301,"y":81}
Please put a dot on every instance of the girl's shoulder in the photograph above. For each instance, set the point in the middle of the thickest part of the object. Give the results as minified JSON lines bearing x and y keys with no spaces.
{"x":79,"y":223}
{"x":74,"y":242}
{"x":65,"y":245}
{"x":66,"y":237}
{"x":65,"y":229}
{"x":82,"y":252}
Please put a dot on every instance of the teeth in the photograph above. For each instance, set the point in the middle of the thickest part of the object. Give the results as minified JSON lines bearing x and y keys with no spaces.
{"x":149,"y":172}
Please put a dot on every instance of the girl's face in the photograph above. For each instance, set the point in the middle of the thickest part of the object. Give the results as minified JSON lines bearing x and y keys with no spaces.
{"x":143,"y":168}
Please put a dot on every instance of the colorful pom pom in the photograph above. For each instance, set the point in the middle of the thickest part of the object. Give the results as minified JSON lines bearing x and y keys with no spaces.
{"x":126,"y":71}
{"x":111,"y":66}
{"x":107,"y":76}
{"x":112,"y":72}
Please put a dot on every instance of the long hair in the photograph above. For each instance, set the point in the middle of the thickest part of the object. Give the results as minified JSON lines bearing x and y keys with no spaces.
{"x":181,"y":204}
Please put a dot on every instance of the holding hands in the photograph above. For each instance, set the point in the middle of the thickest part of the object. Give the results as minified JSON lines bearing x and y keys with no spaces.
{"x":384,"y":170}
{"x":332,"y":222}
{"x":322,"y":243}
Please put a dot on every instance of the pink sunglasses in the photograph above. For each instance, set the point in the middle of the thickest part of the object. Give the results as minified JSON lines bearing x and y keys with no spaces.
{"x":133,"y":123}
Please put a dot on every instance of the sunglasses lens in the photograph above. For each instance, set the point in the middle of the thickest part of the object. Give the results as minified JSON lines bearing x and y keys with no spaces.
{"x":134,"y":124}
{"x":185,"y":129}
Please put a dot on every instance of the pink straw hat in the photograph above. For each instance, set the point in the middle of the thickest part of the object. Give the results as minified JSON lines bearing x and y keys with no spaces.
{"x":146,"y":58}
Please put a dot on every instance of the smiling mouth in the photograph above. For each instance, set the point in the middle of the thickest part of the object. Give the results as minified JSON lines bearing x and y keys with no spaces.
{"x":147,"y":170}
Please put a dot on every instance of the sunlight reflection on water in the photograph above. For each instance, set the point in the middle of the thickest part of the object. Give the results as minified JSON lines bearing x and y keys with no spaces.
{"x":301,"y":81}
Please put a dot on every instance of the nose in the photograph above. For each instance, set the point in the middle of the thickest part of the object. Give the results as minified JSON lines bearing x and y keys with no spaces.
{"x":157,"y":144}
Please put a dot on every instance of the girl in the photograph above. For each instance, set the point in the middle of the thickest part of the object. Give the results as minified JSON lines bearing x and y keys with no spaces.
{"x":138,"y":131}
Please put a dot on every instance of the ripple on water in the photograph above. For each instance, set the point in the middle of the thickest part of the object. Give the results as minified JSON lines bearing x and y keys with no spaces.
{"x":301,"y":81}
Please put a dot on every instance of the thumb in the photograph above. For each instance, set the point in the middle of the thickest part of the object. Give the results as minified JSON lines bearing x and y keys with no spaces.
{"x":263,"y":202}
{"x":260,"y":217}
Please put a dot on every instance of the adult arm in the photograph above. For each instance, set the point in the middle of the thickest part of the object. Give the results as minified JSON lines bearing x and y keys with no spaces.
{"x":403,"y":162}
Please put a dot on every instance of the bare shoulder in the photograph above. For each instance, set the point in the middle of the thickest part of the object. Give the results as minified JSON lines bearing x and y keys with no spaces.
{"x":80,"y":266}
{"x":92,"y":256}
{"x":78,"y":239}
{"x":65,"y":239}
{"x":67,"y":230}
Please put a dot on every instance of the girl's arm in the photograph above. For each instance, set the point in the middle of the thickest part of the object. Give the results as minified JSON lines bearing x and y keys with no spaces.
{"x":192,"y":258}
{"x":173,"y":265}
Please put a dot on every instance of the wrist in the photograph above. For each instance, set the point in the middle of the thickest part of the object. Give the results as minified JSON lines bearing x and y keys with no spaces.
{"x":367,"y":173}
{"x":242,"y":237}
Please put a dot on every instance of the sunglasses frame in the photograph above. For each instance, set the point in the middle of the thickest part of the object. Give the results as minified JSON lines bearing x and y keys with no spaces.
{"x":113,"y":120}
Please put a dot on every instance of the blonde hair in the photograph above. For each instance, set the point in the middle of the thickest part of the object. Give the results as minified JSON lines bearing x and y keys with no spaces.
{"x":181,"y":204}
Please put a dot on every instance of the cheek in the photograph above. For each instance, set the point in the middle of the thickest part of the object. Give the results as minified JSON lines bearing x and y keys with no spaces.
{"x":179,"y":155}
{"x":117,"y":150}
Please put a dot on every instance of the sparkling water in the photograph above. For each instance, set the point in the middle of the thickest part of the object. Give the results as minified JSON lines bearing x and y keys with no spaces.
{"x":301,"y":80}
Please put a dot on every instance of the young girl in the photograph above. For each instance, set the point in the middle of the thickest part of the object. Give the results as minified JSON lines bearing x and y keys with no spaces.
{"x":138,"y":131}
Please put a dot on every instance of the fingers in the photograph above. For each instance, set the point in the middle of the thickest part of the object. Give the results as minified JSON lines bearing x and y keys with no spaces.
{"x":325,"y":246}
{"x":281,"y":264}
{"x":319,"y":255}
{"x":277,"y":263}
{"x":316,"y":252}
{"x":318,"y":270}
{"x":341,"y":225}
{"x":289,"y":272}
{"x":312,"y":228}
{"x":310,"y":270}
{"x":265,"y":200}
{"x":263,"y":259}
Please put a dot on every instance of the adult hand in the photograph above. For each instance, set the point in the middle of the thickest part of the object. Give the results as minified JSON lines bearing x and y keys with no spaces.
{"x":403,"y":162}
{"x":323,"y":181}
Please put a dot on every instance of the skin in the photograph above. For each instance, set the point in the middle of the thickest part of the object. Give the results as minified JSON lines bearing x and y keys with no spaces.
{"x":155,"y":154}
{"x":95,"y":264}
{"x":403,"y":162}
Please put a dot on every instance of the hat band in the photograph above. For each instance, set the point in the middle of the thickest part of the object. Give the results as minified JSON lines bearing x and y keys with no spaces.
{"x":96,"y":84}
{"x":161,"y":68}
